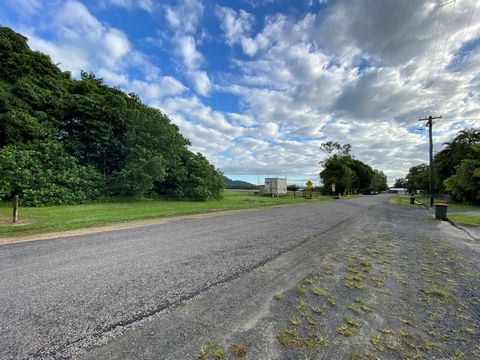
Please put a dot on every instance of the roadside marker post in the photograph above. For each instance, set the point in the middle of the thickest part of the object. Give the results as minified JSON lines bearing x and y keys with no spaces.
{"x":15,"y":208}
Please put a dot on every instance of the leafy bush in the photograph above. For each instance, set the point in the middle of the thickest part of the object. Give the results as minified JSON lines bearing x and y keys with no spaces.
{"x":43,"y":174}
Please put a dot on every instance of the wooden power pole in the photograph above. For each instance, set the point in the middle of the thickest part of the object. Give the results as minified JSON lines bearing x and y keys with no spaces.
{"x":429,"y":123}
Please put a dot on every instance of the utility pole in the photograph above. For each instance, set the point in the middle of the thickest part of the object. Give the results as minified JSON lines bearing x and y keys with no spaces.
{"x":429,"y":123}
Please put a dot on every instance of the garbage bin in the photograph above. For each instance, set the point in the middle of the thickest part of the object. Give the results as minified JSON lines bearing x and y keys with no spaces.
{"x":441,"y":211}
{"x":412,"y":200}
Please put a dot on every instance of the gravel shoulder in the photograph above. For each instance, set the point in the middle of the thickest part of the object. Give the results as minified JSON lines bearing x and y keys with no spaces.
{"x":390,"y":283}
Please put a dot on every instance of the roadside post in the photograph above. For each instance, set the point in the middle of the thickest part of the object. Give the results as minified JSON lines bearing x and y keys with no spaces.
{"x":15,"y":208}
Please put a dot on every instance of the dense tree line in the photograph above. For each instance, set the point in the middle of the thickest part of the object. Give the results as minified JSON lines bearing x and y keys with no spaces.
{"x":347,"y":173}
{"x":456,"y":169}
{"x":66,"y":140}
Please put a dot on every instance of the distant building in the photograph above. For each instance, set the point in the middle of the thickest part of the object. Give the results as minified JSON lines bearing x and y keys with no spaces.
{"x":275,"y":187}
{"x":393,"y":190}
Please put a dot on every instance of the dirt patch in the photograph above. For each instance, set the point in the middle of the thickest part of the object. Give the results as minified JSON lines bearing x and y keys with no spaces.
{"x":20,"y":222}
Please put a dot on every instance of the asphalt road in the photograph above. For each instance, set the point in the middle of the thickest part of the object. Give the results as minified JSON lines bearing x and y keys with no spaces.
{"x":61,"y":295}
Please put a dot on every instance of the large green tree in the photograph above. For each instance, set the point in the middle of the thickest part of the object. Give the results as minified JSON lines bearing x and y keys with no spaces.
{"x":346,"y":172}
{"x":455,"y":151}
{"x":379,"y":181}
{"x":417,"y":178}
{"x":465,"y":183}
{"x":97,"y":133}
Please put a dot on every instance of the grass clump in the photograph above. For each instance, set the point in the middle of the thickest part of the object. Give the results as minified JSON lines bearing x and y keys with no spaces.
{"x":345,"y":330}
{"x":212,"y":351}
{"x":295,"y":321}
{"x":238,"y":350}
{"x":366,"y":265}
{"x":302,"y":290}
{"x":309,"y":281}
{"x":317,"y":310}
{"x":318,"y":291}
{"x":279,"y":296}
{"x":290,"y":338}
{"x":352,"y":322}
{"x":438,"y":291}
{"x":321,"y":340}
{"x":376,"y":341}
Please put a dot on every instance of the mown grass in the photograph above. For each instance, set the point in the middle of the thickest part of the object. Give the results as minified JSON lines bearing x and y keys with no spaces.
{"x":35,"y":220}
{"x":405,"y":200}
{"x":465,"y":219}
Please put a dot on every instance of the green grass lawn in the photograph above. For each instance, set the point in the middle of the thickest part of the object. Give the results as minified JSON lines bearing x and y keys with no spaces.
{"x":405,"y":200}
{"x":35,"y":220}
{"x":465,"y":219}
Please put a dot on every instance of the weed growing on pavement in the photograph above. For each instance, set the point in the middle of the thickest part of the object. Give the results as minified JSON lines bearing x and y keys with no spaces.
{"x":317,"y":310}
{"x":212,"y":351}
{"x":302,"y":290}
{"x":352,"y":322}
{"x":302,"y":305}
{"x":318,"y":291}
{"x":309,"y":281}
{"x":385,"y":330}
{"x":438,"y":291}
{"x":238,"y":350}
{"x":279,"y":296}
{"x":345,"y":330}
{"x":290,"y":338}
{"x":377,"y":343}
{"x":294,"y":321}
{"x":332,"y":302}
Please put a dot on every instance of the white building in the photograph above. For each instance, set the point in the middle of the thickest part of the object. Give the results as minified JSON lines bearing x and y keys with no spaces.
{"x":275,"y":186}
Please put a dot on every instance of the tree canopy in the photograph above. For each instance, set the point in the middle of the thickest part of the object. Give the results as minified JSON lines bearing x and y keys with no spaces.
{"x":66,"y":140}
{"x":455,"y":168}
{"x":347,"y":173}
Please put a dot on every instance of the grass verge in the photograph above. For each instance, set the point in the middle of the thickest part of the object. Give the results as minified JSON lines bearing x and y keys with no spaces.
{"x":465,"y":219}
{"x":405,"y":200}
{"x":37,"y":220}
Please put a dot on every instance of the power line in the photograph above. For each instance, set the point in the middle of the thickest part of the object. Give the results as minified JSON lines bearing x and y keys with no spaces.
{"x":468,"y":28}
{"x":448,"y":33}
{"x":471,"y":16}
{"x":436,"y":39}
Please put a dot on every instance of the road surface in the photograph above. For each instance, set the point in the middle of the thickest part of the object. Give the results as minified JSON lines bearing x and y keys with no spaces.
{"x":67,"y":297}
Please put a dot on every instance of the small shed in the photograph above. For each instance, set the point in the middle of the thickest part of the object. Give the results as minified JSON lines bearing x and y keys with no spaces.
{"x":275,"y":187}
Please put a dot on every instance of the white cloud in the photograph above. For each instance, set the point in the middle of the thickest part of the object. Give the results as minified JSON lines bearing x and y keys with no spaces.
{"x":185,"y":16}
{"x":151,"y":92}
{"x":187,"y":50}
{"x":236,"y":25}
{"x":147,"y":5}
{"x":201,"y":82}
{"x":183,"y":19}
{"x":363,"y":82}
{"x":359,"y":72}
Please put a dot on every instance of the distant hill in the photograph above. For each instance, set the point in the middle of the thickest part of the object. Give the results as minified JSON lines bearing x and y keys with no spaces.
{"x":238,"y":184}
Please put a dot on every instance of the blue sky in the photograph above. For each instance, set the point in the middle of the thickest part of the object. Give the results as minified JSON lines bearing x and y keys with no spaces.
{"x":257,"y":86}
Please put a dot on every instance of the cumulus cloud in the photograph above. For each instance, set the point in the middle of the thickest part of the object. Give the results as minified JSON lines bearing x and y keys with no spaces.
{"x":80,"y":41}
{"x":147,"y":5}
{"x":183,"y":20}
{"x":361,"y":73}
